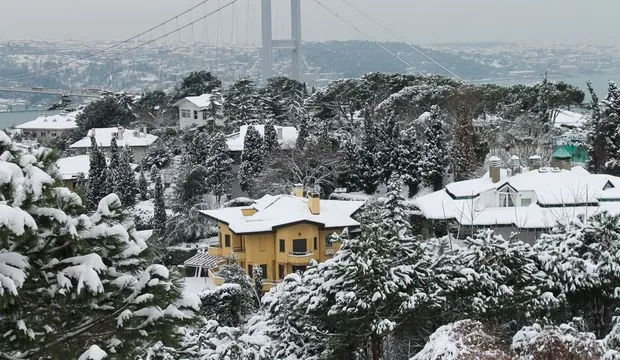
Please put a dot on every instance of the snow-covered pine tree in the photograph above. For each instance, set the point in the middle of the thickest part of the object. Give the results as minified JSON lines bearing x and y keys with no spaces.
{"x":597,"y":137}
{"x":198,"y":148}
{"x":373,"y":282}
{"x":493,"y":274}
{"x":123,"y":178}
{"x":388,"y":139}
{"x":270,"y":140}
{"x":604,"y":134}
{"x":71,"y":281}
{"x":409,"y":153}
{"x":252,"y":160}
{"x":214,"y":111}
{"x":242,"y":104}
{"x":582,"y":259}
{"x":159,"y":216}
{"x":143,"y":187}
{"x":114,"y":153}
{"x":368,"y":169}
{"x":97,"y":173}
{"x":219,"y":166}
{"x":303,"y":133}
{"x":434,"y":161}
{"x":463,"y":147}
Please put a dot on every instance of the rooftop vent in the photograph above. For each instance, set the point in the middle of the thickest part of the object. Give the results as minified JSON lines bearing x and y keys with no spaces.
{"x":494,"y":168}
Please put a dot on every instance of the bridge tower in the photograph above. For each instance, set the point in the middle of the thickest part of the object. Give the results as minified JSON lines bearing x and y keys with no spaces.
{"x":293,"y":44}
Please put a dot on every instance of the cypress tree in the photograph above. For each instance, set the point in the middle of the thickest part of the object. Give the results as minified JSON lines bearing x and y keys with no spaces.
{"x":409,"y":153}
{"x":124,"y":180}
{"x":219,"y":166}
{"x":97,"y":187}
{"x":434,"y":162}
{"x":604,"y":134}
{"x":463,"y":149}
{"x":303,"y":132}
{"x":252,"y":159}
{"x":159,"y":217}
{"x":143,"y":186}
{"x":270,"y":140}
{"x":368,"y":171}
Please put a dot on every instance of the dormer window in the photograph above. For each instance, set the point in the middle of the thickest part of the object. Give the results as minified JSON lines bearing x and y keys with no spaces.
{"x":507,"y":196}
{"x":608,"y":185}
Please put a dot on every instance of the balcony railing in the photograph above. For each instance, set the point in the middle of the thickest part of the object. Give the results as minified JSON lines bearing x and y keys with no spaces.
{"x":300,"y":253}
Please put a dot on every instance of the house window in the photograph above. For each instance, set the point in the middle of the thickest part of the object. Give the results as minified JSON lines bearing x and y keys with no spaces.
{"x":282,"y":245}
{"x":185,"y":113}
{"x":281,"y":271}
{"x":526,"y":202}
{"x":315,"y":244}
{"x":196,"y":114}
{"x":205,"y":116}
{"x":300,"y":247}
{"x":227,"y":240}
{"x":328,"y":240}
{"x":507,"y":197}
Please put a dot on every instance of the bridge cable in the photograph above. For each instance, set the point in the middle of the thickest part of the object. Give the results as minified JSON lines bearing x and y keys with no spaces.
{"x":364,"y":14}
{"x":366,"y":36}
{"x":216,"y":11}
{"x":115,"y":45}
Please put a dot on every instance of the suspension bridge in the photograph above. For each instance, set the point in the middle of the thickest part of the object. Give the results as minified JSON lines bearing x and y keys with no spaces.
{"x":208,"y":12}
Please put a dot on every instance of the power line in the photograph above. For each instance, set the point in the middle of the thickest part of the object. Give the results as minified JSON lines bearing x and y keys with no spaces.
{"x":364,"y":14}
{"x":115,"y":45}
{"x":366,"y":36}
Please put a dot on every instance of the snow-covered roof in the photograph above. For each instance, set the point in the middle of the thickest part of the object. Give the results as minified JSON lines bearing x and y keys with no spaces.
{"x":201,"y":101}
{"x":569,"y":119}
{"x":126,"y":137}
{"x":280,"y":210}
{"x":204,"y":260}
{"x":560,"y":195}
{"x":71,"y":167}
{"x":52,"y":122}
{"x":287,"y":136}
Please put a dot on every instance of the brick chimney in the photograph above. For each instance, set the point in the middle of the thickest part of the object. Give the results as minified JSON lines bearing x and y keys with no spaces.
{"x":298,"y":190}
{"x":314,"y":203}
{"x":495,"y":164}
{"x":515,"y":165}
{"x":120,"y":133}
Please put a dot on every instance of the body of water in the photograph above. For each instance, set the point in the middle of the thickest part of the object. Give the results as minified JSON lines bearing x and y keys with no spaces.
{"x":9,"y":119}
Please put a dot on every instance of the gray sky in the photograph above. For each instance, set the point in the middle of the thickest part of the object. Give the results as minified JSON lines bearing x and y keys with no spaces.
{"x":417,"y":21}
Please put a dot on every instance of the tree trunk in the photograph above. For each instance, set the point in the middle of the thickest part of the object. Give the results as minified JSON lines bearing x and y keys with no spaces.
{"x":375,"y":343}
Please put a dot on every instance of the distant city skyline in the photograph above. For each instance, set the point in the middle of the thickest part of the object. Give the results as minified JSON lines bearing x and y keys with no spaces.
{"x":437,"y":21}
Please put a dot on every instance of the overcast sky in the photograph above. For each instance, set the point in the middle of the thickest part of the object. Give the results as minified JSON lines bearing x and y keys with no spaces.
{"x":417,"y":21}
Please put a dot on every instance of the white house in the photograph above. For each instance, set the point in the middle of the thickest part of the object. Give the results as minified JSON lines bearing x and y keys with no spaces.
{"x":192,"y":109}
{"x":138,"y":140}
{"x":527,"y":201}
{"x":287,"y":137}
{"x":73,"y":168}
{"x":47,"y":127}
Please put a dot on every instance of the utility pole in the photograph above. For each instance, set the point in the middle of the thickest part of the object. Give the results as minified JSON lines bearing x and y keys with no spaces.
{"x":269,"y":44}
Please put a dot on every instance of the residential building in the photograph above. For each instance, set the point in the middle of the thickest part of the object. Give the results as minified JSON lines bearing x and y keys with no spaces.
{"x":282,"y":234}
{"x":193,"y":109}
{"x":72,"y":169}
{"x":138,"y":140}
{"x":47,"y":127}
{"x":525,"y":201}
{"x":287,"y":137}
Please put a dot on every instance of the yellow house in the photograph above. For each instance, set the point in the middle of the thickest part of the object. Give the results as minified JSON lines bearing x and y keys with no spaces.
{"x":282,"y":234}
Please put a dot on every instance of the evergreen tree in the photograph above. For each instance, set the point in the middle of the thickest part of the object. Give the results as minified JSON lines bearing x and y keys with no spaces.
{"x":270,"y":140}
{"x":434,"y":161}
{"x":388,"y":139}
{"x":219,"y":166}
{"x":114,"y":154}
{"x":582,"y":259}
{"x":303,"y":133}
{"x":159,"y":216}
{"x":73,"y":282}
{"x":105,"y":112}
{"x":97,"y":182}
{"x":196,"y":83}
{"x":214,"y":111}
{"x":252,"y":159}
{"x":197,"y":148}
{"x":124,"y":178}
{"x":604,"y":133}
{"x":368,"y":169}
{"x":463,"y":147}
{"x":242,"y":104}
{"x":143,"y":187}
{"x":410,"y":153}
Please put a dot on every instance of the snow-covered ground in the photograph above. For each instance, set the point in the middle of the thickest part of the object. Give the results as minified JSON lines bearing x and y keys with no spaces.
{"x":195,"y":285}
